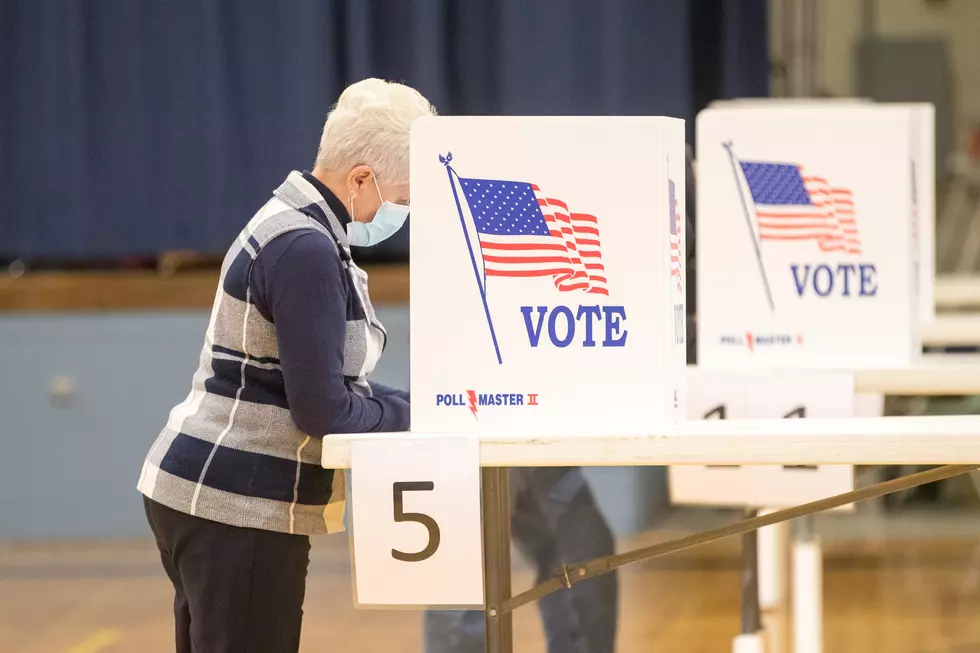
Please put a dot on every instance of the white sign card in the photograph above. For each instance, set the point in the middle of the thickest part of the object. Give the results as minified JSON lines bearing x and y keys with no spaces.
{"x":806,"y":244}
{"x":416,"y":536}
{"x":756,"y":394}
{"x":544,"y":298}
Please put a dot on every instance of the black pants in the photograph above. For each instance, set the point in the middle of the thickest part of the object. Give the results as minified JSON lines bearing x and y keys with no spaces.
{"x":238,"y":590}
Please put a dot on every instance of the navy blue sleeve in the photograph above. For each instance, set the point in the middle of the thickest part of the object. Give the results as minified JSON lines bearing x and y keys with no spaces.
{"x":298,"y":284}
{"x":381,"y":390}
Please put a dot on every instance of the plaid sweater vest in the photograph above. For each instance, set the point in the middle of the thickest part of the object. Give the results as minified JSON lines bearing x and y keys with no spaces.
{"x":231,"y":452}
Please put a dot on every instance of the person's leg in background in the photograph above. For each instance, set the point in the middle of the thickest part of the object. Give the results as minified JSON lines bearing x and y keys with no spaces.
{"x":554,"y":521}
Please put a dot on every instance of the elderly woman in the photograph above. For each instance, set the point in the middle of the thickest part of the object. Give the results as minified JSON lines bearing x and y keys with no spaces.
{"x":232,"y":486}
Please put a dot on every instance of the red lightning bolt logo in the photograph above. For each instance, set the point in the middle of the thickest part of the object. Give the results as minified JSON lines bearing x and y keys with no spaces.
{"x":472,"y":401}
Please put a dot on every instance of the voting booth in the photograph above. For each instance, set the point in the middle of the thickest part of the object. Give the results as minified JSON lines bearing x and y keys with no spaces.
{"x":923,"y":152}
{"x":815,"y":249}
{"x":807,"y":240}
{"x":810,"y":262}
{"x":790,"y":214}
{"x":545,"y":300}
{"x":543,"y":294}
{"x":808,"y":209}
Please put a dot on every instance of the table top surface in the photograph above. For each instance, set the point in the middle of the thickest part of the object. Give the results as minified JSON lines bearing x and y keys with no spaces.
{"x":932,"y":375}
{"x":927,"y":440}
{"x":952,"y":329}
{"x":957,"y":291}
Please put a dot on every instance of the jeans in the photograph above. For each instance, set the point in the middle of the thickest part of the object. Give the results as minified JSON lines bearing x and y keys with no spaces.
{"x":554,"y":521}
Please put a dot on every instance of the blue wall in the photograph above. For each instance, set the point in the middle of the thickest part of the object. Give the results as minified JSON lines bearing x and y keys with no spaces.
{"x":68,"y":469}
{"x":71,"y":470}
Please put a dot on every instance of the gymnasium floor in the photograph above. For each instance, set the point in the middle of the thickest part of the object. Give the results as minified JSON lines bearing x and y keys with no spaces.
{"x":908,"y":584}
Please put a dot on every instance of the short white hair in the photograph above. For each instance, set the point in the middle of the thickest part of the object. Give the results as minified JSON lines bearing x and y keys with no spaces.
{"x":370,"y":125}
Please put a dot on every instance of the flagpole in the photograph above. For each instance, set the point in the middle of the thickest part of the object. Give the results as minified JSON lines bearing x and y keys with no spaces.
{"x":445,"y":160}
{"x":748,"y":222}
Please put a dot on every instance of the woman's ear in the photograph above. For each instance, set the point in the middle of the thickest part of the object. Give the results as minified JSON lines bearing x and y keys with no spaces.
{"x":358,"y":177}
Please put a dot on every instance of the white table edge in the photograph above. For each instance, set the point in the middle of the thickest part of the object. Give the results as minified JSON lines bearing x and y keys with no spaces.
{"x":927,"y":440}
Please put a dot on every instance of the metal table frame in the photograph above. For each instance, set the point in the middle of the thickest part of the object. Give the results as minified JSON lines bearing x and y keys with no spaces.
{"x":951,"y":442}
{"x":496,"y":549}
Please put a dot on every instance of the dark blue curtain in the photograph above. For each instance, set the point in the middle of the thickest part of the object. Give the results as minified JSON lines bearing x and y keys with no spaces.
{"x":128,"y":127}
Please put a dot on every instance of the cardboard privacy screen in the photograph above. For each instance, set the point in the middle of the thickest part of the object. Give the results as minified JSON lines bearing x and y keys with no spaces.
{"x":807,"y":246}
{"x":547,"y":275}
{"x":923,"y":135}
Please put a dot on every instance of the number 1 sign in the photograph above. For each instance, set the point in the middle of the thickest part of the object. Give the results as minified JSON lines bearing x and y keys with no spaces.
{"x":416,"y":534}
{"x":757,"y":395}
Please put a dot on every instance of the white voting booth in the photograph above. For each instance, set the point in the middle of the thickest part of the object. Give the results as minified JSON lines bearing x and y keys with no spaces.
{"x":541,"y":303}
{"x":806,"y":238}
{"x":541,"y":298}
{"x":800,"y":231}
{"x":923,"y":163}
{"x":815,"y":224}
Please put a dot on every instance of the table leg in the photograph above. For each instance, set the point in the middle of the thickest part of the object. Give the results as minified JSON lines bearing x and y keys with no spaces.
{"x":751,"y":619}
{"x":496,"y":557}
{"x":807,"y":588}
{"x":773,"y":585}
{"x":750,"y":639}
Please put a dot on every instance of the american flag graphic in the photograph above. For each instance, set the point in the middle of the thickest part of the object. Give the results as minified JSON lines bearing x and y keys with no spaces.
{"x":525,"y":233}
{"x":675,"y":235}
{"x":792,"y":204}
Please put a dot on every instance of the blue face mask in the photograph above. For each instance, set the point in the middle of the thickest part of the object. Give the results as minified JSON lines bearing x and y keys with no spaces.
{"x":389,"y":219}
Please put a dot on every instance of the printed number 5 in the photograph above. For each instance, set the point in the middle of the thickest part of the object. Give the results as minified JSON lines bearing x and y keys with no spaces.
{"x":420,"y":518}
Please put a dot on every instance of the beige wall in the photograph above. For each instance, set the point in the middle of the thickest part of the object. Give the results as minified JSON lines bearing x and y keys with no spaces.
{"x":956,"y":20}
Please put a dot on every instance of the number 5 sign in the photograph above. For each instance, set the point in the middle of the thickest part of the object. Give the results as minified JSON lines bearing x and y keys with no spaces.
{"x":415,"y":532}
